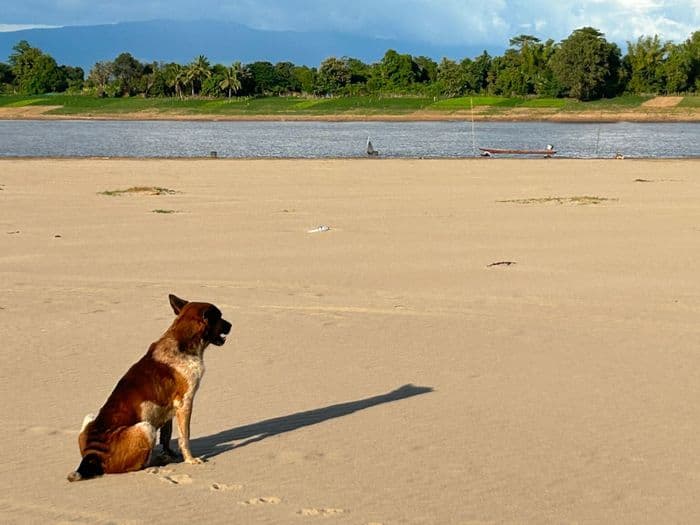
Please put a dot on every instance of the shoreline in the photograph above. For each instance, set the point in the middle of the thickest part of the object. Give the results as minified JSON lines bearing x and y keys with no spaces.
{"x":518,"y":115}
{"x":344,"y":159}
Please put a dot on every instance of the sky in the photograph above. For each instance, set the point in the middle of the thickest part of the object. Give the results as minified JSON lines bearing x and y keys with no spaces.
{"x":443,"y":22}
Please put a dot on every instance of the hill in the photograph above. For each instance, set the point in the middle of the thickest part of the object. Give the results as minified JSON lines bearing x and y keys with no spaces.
{"x":222,"y":42}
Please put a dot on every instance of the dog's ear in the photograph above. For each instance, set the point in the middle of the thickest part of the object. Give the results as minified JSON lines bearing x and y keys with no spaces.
{"x":177,"y":303}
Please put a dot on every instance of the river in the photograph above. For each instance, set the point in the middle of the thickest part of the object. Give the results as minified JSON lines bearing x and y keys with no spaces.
{"x":105,"y":138}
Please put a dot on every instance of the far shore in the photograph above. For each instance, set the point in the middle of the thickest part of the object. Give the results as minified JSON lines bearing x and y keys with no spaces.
{"x":642,"y":114}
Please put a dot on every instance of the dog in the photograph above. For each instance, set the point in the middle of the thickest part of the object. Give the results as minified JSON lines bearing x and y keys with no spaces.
{"x":160,"y":386}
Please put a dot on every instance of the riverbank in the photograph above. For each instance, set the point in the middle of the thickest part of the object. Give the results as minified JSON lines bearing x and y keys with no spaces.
{"x":491,"y":341}
{"x":521,"y":115}
{"x":630,"y":109}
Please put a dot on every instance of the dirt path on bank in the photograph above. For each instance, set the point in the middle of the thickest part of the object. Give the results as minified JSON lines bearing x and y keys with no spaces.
{"x":662,"y":102}
{"x":660,"y":109}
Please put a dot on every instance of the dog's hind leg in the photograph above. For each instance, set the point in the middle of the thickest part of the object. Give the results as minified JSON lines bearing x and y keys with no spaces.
{"x":127,"y":449}
{"x":131,"y":448}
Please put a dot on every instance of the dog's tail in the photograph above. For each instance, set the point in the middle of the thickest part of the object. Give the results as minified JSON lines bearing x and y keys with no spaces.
{"x":90,"y":467}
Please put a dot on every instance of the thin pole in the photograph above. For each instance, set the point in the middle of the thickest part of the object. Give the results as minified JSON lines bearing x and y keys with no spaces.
{"x":471,"y":103}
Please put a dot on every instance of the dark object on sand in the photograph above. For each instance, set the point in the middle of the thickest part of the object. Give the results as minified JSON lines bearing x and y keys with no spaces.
{"x":500,"y":263}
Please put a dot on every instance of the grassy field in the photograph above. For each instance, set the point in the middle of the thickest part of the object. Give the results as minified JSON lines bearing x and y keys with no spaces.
{"x":366,"y":105}
{"x":690,"y":102}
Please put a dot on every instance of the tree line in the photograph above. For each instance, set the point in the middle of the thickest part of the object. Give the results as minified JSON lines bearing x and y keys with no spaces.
{"x":584,"y":66}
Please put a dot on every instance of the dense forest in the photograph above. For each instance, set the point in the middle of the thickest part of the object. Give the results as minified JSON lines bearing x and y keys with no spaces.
{"x":584,"y":66}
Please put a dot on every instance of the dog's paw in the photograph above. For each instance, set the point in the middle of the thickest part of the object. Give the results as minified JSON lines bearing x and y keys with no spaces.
{"x":195,"y":461}
{"x":168,"y":455}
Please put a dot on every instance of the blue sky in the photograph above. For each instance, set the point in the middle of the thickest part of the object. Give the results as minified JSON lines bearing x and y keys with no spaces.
{"x":445,"y":22}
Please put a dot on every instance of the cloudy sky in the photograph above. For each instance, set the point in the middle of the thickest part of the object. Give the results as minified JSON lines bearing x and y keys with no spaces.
{"x":445,"y":22}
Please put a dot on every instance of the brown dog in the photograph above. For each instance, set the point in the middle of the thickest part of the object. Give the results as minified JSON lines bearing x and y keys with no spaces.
{"x":159,"y":386}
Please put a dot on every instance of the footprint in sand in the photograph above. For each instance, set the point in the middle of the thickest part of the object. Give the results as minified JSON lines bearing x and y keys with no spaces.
{"x":269,"y":500}
{"x":158,"y":470}
{"x":177,"y":479}
{"x":222,"y":487}
{"x":321,"y":512}
{"x":51,"y":431}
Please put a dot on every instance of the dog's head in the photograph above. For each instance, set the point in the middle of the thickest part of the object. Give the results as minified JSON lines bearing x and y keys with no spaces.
{"x":197,"y":325}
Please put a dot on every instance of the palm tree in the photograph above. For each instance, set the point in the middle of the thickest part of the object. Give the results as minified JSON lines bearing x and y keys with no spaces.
{"x":232,"y":79}
{"x":197,"y":71}
{"x":176,"y":77}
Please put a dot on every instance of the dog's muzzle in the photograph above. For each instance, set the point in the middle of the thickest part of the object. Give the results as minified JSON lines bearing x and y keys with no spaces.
{"x":223,"y":330}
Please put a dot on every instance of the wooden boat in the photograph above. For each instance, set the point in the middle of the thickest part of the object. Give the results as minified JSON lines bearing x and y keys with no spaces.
{"x":547,"y":152}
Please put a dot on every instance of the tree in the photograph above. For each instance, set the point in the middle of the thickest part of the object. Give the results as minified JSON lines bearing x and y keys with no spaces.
{"x":154,"y":81}
{"x":426,"y":69}
{"x":450,"y":78}
{"x":100,"y":76}
{"x":546,"y":82}
{"x":231,"y":82}
{"x":645,"y":60}
{"x":676,"y":68}
{"x":306,"y":77}
{"x":587,"y":65}
{"x":398,"y":71}
{"x":692,"y":46}
{"x":74,"y":77}
{"x":508,"y":76}
{"x":197,"y":71}
{"x":476,"y":73}
{"x":285,"y":81}
{"x":127,"y":73}
{"x":35,"y":72}
{"x":359,"y":71}
{"x":7,"y":78}
{"x":176,"y":78}
{"x":263,"y":77}
{"x":333,"y":75}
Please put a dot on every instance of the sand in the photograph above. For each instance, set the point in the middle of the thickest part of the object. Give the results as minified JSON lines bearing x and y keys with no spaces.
{"x":658,"y":109}
{"x":383,"y":371}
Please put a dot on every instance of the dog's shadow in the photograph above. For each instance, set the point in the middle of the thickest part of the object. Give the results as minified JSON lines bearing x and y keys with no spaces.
{"x":215,"y":444}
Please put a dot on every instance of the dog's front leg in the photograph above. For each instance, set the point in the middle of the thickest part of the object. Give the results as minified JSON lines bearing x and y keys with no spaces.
{"x":183,"y":415}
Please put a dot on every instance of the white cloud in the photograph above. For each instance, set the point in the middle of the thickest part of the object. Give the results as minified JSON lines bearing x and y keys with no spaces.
{"x":6,"y":28}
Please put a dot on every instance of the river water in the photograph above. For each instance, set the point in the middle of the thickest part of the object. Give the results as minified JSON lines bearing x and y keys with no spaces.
{"x":82,"y":138}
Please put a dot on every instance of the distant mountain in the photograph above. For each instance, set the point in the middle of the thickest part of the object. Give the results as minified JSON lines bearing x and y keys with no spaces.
{"x":220,"y":42}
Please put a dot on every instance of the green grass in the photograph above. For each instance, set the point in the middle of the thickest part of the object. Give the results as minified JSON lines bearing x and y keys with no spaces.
{"x":544,"y":103}
{"x":369,"y":104}
{"x":359,"y":105}
{"x":690,"y":102}
{"x":607,"y":104}
{"x":462,"y":103}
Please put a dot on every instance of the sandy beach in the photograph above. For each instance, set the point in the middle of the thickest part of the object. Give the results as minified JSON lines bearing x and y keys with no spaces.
{"x":393,"y":369}
{"x":658,"y":109}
